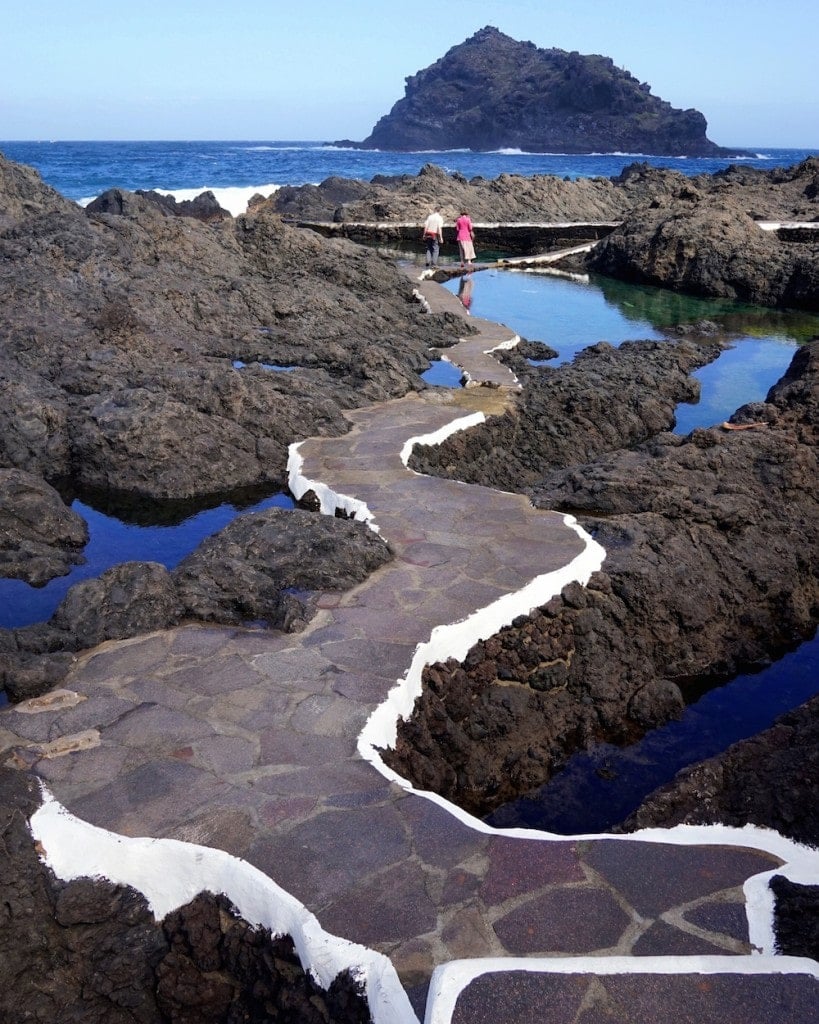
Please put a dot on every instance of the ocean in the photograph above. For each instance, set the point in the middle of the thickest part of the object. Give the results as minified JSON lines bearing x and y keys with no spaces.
{"x":235,"y":171}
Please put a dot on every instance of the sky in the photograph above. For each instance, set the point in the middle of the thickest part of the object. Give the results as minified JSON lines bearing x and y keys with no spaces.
{"x":329,"y":69}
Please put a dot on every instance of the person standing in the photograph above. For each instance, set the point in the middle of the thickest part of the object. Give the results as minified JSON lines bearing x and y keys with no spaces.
{"x":433,"y":236}
{"x":465,"y":237}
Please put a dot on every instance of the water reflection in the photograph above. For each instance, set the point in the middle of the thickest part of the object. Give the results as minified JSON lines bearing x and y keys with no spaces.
{"x":600,"y":787}
{"x":571,"y":315}
{"x":135,"y":532}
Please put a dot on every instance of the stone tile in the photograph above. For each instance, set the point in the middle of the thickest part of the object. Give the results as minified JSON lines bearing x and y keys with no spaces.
{"x":521,"y":997}
{"x":199,"y":641}
{"x":220,"y":827}
{"x":655,"y":877}
{"x":383,"y":908}
{"x":120,"y":660}
{"x":438,"y":837}
{"x":152,"y":799}
{"x":282,"y":746}
{"x":275,"y":813}
{"x":467,"y":934}
{"x":518,"y":866}
{"x":460,"y":885}
{"x":213,"y":676}
{"x":332,"y":852}
{"x":663,"y":939}
{"x":716,"y":998}
{"x":570,"y":920}
{"x":391,"y":659}
{"x":729,"y":919}
{"x":155,"y":727}
{"x":329,"y":715}
{"x":224,"y":755}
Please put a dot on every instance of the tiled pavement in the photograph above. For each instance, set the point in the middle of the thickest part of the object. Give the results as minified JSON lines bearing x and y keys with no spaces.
{"x":249,"y":742}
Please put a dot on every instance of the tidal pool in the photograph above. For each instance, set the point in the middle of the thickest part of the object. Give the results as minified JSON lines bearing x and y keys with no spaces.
{"x":143,"y":532}
{"x":571,"y":315}
{"x":600,"y":787}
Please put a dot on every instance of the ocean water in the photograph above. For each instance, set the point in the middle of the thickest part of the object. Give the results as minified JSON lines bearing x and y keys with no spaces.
{"x":234,"y":171}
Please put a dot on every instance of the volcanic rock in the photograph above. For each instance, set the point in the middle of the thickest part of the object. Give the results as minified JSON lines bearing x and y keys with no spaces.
{"x":267,"y":566}
{"x":769,"y":779}
{"x":40,"y":537}
{"x":120,"y":331}
{"x":493,"y":92}
{"x":89,"y":950}
{"x":707,"y":244}
{"x":249,"y":570}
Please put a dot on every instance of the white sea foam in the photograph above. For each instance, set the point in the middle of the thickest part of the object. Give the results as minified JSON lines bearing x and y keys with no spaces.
{"x":234,"y":199}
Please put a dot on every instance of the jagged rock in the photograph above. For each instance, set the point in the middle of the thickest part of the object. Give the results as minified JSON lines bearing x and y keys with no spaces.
{"x":492,"y":92}
{"x":121,"y":325}
{"x":781,"y":194}
{"x":126,"y":600}
{"x":244,"y":572}
{"x":267,"y":566}
{"x":203,"y":207}
{"x":769,"y":779}
{"x":604,"y":399}
{"x":40,"y":537}
{"x":708,"y":245}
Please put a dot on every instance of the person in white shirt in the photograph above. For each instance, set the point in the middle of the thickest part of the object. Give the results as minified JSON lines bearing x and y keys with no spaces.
{"x":433,"y":236}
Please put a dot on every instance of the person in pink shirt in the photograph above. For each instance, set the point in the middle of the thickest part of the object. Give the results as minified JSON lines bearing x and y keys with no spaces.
{"x":465,"y":237}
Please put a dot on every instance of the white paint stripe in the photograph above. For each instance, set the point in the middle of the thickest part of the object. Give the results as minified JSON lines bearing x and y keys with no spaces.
{"x":170,"y":874}
{"x":454,"y":641}
{"x":449,"y":980}
{"x":329,"y":500}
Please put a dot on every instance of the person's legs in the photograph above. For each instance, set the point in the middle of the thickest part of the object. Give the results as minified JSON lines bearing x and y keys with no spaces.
{"x":435,"y":250}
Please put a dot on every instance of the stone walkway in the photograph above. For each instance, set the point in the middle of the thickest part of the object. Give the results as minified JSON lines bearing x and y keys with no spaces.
{"x":265,"y":746}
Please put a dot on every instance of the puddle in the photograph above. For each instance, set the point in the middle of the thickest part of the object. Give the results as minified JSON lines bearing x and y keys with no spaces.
{"x":443,"y":374}
{"x":272,"y":367}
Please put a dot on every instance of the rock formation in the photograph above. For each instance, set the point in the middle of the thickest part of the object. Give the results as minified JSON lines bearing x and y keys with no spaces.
{"x":493,"y":92}
{"x":769,"y":779}
{"x":120,"y":331}
{"x":268,"y":567}
{"x":781,"y":194}
{"x":707,"y":244}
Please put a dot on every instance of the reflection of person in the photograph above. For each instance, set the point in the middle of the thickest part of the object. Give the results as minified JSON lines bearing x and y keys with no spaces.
{"x":465,"y":237}
{"x":465,"y":291}
{"x":433,"y":236}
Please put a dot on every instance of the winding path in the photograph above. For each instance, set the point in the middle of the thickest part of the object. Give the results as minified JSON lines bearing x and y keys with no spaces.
{"x":265,"y":746}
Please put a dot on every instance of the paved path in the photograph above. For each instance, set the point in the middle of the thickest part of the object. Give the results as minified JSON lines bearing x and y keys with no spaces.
{"x":262,"y":745}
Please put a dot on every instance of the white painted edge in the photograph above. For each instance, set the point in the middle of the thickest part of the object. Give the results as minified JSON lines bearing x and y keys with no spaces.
{"x":454,"y":641}
{"x":449,"y":980}
{"x":440,"y":435}
{"x":329,"y":500}
{"x":171,"y":873}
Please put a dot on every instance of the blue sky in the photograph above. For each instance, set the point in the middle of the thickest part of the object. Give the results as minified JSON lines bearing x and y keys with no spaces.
{"x":328,"y":69}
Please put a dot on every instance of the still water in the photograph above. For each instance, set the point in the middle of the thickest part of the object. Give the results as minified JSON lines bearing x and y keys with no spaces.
{"x":570,"y":315}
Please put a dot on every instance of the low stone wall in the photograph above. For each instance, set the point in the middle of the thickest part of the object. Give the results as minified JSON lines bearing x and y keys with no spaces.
{"x":511,"y":238}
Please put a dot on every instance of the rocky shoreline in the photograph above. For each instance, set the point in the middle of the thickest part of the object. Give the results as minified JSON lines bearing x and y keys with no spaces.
{"x":121,"y":327}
